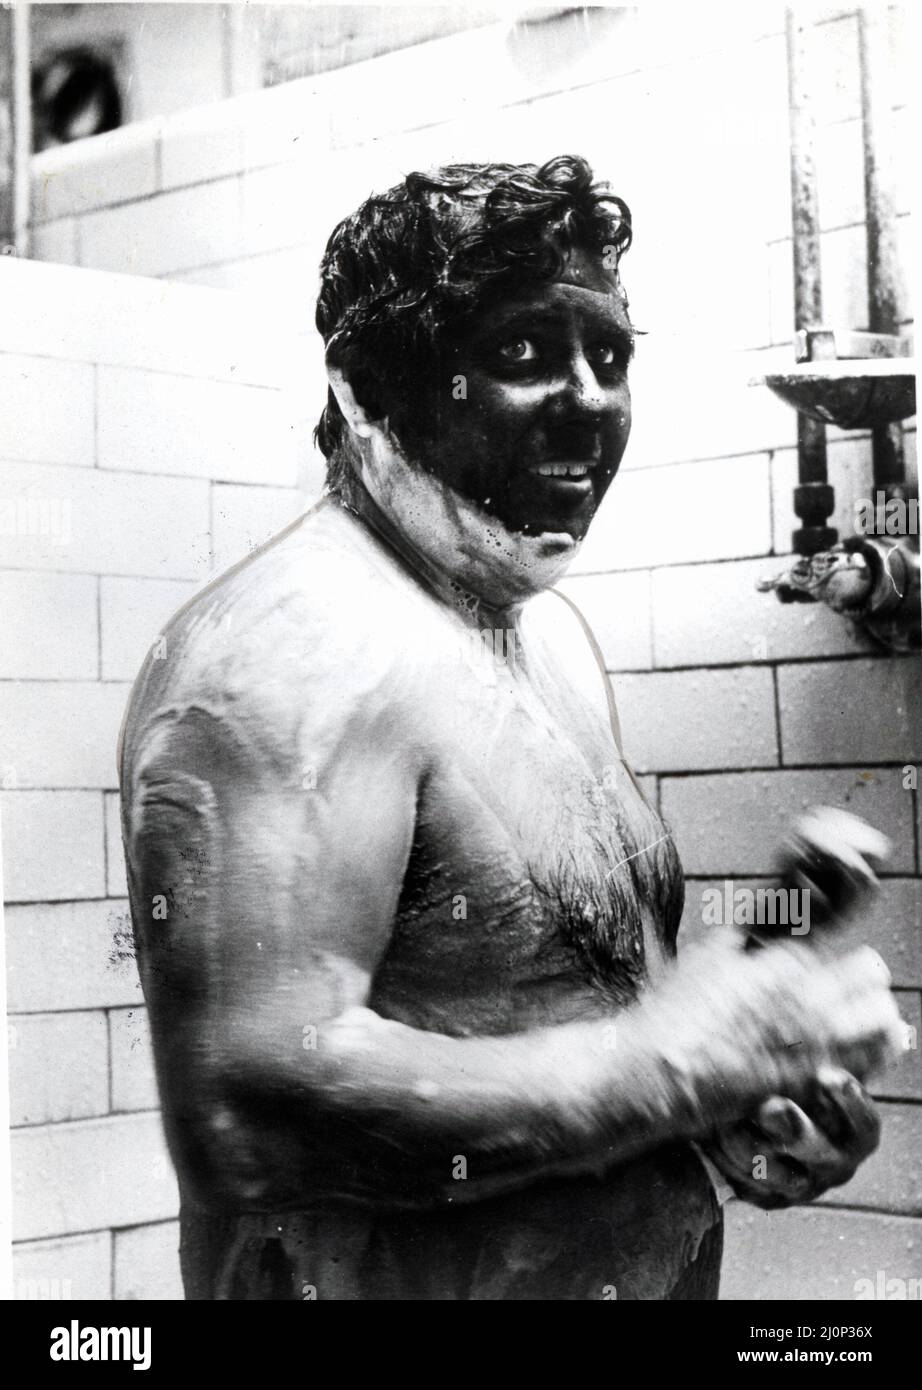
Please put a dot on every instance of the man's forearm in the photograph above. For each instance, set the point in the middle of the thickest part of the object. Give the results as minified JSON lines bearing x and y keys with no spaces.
{"x":382,"y":1112}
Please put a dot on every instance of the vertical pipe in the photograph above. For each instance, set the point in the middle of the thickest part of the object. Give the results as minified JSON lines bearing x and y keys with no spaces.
{"x":7,"y":219}
{"x":15,"y":128}
{"x":813,"y":497}
{"x":22,"y":127}
{"x":880,"y":215}
{"x":11,"y":240}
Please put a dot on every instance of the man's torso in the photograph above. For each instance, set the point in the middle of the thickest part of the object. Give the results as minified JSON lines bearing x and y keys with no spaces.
{"x":540,"y":889}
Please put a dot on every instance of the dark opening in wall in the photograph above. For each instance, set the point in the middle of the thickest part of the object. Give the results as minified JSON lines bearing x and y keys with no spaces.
{"x":75,"y":93}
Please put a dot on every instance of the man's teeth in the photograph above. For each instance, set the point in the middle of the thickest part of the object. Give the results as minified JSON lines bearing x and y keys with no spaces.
{"x":563,"y":470}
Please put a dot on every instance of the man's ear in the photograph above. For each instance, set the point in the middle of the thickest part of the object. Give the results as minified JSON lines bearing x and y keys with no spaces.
{"x":355,"y":415}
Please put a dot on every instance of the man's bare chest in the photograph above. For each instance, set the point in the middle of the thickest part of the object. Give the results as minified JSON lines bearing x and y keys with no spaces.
{"x":523,"y":901}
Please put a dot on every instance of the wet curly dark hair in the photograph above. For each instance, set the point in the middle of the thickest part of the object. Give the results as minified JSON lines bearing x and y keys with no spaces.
{"x":410,"y":265}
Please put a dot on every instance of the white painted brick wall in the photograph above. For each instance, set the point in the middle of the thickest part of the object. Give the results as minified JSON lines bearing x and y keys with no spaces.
{"x":56,"y":241}
{"x":108,"y":523}
{"x":61,"y":733}
{"x":281,"y":208}
{"x":50,"y":628}
{"x":140,"y":238}
{"x":52,"y":311}
{"x":202,"y":145}
{"x":864,"y":710}
{"x":617,"y":608}
{"x":894,"y":929}
{"x":157,"y":423}
{"x":903,"y":1081}
{"x":90,"y":1174}
{"x":811,"y":1253}
{"x":75,"y":1267}
{"x":712,"y":411}
{"x":708,"y":615}
{"x":891,"y":1179}
{"x":47,"y":414}
{"x":117,"y":167}
{"x":679,"y":513}
{"x":243,"y":518}
{"x":840,"y":175}
{"x":147,"y":1263}
{"x":53,"y":845}
{"x":844,"y":257}
{"x":280,"y":121}
{"x":58,"y":1067}
{"x":690,"y":721}
{"x":134,"y":1085}
{"x":83,"y":950}
{"x":285,"y":278}
{"x":116,"y":881}
{"x":733,"y":823}
{"x":837,"y":97}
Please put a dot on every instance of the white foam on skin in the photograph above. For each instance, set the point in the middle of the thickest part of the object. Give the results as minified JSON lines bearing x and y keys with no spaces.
{"x":460,"y":540}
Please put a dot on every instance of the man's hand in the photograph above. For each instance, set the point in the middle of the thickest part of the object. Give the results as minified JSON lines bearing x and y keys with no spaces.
{"x":788,"y":1154}
{"x":833,"y":857}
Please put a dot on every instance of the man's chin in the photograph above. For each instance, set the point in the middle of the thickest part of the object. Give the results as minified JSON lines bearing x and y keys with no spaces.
{"x":568,"y":528}
{"x":562,"y":523}
{"x":550,"y":509}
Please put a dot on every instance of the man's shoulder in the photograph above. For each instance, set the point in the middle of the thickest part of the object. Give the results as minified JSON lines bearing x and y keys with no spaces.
{"x":322,"y":565}
{"x":312,"y":592}
{"x":304,"y":629}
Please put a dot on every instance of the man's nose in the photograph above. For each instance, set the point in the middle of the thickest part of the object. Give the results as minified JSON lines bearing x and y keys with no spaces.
{"x":581,"y":391}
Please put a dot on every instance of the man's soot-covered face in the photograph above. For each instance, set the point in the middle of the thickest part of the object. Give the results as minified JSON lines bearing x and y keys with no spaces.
{"x":534,"y":409}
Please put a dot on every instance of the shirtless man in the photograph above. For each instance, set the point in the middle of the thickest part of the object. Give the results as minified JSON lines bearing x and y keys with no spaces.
{"x":405,"y":920}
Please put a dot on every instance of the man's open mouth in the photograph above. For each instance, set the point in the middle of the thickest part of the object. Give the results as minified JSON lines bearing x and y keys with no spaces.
{"x":563,"y":470}
{"x":569,"y":472}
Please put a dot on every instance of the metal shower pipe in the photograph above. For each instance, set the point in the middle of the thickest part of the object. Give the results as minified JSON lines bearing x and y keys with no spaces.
{"x":880,"y":214}
{"x":15,"y":128}
{"x":813,"y":497}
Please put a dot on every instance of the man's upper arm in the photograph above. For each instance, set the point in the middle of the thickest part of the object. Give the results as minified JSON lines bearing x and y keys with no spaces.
{"x":265,"y":867}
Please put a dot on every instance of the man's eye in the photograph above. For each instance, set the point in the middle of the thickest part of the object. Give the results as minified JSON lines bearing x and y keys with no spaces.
{"x":518,"y":350}
{"x":602,"y":354}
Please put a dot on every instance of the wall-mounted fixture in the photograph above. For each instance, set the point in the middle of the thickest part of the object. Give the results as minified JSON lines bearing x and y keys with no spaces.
{"x":856,"y":380}
{"x":75,"y":94}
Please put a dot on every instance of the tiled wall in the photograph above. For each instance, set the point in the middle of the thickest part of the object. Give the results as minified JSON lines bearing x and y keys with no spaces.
{"x":738,"y":710}
{"x":149,"y":435}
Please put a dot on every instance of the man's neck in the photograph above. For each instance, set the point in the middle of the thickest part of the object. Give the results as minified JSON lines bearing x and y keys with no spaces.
{"x":465,"y":556}
{"x":359,"y":501}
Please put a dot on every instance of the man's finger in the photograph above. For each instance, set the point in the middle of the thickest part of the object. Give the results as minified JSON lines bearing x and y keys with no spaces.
{"x":799,"y":1139}
{"x":835,"y":856}
{"x":777,"y":1182}
{"x":845,"y":1113}
{"x":837,"y":834}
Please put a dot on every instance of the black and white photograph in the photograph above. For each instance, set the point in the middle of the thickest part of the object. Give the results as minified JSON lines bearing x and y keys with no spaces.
{"x":460,"y":674}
